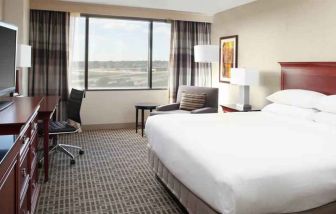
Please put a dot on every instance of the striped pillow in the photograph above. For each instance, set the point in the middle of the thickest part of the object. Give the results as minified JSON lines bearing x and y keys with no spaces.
{"x":191,"y":102}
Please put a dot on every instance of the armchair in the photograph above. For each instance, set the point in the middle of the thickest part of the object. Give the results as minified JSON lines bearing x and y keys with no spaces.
{"x":211,"y":105}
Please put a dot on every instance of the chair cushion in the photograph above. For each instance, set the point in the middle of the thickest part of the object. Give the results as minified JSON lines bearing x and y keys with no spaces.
{"x":60,"y":127}
{"x":169,"y":112}
{"x":57,"y":127}
{"x":191,"y":102}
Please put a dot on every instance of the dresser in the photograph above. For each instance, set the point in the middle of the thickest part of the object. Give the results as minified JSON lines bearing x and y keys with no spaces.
{"x":19,"y":188}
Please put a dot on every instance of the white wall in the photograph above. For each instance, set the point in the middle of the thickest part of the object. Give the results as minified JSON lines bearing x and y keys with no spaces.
{"x":271,"y":31}
{"x":117,"y":107}
{"x":1,"y":6}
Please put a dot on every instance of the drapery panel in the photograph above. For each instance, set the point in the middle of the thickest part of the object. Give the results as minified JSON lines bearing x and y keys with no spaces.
{"x":182,"y":68}
{"x":49,"y":38}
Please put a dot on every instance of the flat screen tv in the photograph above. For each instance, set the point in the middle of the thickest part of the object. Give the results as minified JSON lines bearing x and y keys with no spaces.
{"x":8,"y":34}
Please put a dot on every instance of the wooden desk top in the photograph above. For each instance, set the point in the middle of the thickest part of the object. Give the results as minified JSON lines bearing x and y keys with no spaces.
{"x":48,"y":104}
{"x":17,"y":114}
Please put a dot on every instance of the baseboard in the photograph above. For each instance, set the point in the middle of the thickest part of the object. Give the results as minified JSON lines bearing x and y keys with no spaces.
{"x":108,"y":126}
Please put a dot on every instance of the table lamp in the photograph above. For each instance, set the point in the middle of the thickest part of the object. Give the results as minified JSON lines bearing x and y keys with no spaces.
{"x":206,"y":54}
{"x":23,"y":60}
{"x":244,"y":78}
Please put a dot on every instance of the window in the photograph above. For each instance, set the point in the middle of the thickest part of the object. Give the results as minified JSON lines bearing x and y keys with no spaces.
{"x":111,"y":53}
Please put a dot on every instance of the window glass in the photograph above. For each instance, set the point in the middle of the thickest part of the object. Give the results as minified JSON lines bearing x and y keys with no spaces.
{"x":118,"y":53}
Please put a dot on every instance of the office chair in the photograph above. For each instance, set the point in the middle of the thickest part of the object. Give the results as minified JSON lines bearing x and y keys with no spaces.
{"x":63,"y":127}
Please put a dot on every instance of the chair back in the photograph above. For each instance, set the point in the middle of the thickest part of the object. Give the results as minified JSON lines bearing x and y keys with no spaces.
{"x":74,"y":104}
{"x":211,"y":93}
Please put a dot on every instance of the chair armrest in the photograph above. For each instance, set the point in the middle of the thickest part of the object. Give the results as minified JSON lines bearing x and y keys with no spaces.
{"x":204,"y":110}
{"x":169,"y":107}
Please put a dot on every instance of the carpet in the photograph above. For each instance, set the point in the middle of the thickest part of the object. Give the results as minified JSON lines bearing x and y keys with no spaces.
{"x":113,"y":176}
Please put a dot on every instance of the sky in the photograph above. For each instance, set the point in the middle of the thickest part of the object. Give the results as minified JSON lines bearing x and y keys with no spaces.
{"x":120,"y":40}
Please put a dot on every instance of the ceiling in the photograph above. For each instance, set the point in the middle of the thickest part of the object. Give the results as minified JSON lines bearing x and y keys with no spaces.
{"x":209,"y":7}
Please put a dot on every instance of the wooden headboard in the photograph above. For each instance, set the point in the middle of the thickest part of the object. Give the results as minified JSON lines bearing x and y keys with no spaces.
{"x":315,"y":76}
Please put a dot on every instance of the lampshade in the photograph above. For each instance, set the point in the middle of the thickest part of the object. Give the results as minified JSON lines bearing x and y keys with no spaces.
{"x":23,"y":57}
{"x":206,"y":53}
{"x":242,"y":76}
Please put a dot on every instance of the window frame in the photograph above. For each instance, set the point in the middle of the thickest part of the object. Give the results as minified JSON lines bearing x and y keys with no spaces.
{"x":150,"y":52}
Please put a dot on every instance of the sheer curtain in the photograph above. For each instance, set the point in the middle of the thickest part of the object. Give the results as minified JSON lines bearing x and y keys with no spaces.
{"x":76,"y":51}
{"x":182,"y":68}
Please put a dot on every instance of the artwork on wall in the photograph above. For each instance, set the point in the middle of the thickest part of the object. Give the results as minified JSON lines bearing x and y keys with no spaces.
{"x":228,"y":57}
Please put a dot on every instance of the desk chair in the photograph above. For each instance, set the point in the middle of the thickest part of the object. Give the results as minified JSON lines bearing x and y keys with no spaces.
{"x":63,"y":127}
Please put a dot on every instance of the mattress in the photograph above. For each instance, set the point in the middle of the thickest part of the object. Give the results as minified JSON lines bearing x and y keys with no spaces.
{"x":253,"y":162}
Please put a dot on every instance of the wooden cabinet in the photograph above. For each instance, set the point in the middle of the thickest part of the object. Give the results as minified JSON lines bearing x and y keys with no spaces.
{"x":8,"y":187}
{"x":18,"y":158}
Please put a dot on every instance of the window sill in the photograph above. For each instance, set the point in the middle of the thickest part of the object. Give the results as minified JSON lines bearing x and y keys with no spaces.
{"x":129,"y":89}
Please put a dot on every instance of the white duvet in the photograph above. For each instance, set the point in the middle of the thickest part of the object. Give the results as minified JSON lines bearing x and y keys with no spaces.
{"x":249,"y":163}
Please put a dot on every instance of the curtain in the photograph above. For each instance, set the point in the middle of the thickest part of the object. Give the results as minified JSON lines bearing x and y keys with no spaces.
{"x":49,"y":38}
{"x":182,"y":68}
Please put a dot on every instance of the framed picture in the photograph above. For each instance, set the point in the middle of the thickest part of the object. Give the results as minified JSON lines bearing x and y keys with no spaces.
{"x":228,"y":57}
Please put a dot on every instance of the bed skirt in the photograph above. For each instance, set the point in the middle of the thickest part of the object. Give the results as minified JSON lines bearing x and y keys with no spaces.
{"x":192,"y":203}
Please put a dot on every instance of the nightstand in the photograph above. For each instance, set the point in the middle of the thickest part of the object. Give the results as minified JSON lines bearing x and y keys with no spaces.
{"x":232,"y":108}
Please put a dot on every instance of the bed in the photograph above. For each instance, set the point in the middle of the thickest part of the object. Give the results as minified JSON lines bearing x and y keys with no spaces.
{"x":252,"y":162}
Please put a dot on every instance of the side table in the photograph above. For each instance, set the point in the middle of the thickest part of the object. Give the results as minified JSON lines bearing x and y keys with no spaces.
{"x":142,"y":107}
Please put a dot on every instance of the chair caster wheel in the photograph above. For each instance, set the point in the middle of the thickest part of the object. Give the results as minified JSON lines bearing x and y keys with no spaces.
{"x":81,"y":152}
{"x":72,"y":162}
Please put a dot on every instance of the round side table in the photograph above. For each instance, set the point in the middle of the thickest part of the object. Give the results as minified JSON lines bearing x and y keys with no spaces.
{"x":142,"y":107}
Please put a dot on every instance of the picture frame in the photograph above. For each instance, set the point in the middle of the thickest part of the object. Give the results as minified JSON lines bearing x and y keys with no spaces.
{"x":228,"y":57}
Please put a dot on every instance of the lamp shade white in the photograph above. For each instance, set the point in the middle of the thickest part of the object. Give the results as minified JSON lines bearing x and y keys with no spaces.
{"x":23,"y":57}
{"x":242,"y":76}
{"x":206,"y":53}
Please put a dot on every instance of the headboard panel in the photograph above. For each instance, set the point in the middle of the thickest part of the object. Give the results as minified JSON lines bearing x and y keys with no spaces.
{"x":315,"y":76}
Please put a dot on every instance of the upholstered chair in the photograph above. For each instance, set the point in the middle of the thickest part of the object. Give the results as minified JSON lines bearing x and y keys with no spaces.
{"x":211,"y":103}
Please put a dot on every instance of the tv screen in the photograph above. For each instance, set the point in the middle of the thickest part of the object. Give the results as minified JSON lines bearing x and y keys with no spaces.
{"x":7,"y":58}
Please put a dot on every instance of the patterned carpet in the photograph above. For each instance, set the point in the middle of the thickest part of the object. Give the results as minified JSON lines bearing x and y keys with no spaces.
{"x":111,"y":177}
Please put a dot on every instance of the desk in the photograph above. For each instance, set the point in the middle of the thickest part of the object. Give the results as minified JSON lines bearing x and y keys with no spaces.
{"x":46,"y":112}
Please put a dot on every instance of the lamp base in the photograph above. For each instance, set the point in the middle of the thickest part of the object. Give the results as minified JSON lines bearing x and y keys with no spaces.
{"x":243,"y":107}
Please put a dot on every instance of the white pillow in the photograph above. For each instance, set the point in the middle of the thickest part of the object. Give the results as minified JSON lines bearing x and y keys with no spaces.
{"x":325,"y":118}
{"x":296,"y":97}
{"x":290,"y":111}
{"x":327,"y":104}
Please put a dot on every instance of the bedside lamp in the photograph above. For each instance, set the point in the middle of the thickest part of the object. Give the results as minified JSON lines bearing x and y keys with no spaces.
{"x":244,"y":78}
{"x":23,"y":60}
{"x":206,"y":54}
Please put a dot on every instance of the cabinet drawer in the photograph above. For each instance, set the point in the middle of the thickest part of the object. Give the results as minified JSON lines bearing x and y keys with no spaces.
{"x":33,"y":153}
{"x":33,"y":127}
{"x":24,"y":206}
{"x":24,"y":141}
{"x":23,"y":173}
{"x":8,"y":200}
{"x":34,"y":190}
